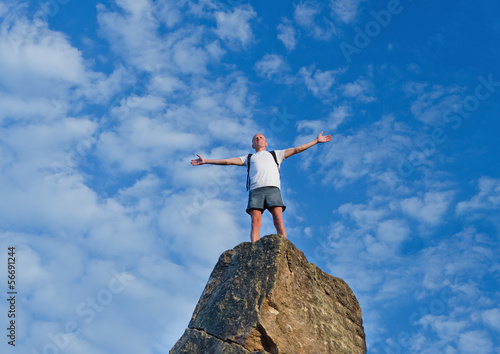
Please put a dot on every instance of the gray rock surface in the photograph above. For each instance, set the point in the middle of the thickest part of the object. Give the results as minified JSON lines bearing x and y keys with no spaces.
{"x":265,"y":297}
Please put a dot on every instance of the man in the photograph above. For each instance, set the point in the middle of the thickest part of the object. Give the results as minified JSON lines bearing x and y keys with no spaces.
{"x":264,"y":180}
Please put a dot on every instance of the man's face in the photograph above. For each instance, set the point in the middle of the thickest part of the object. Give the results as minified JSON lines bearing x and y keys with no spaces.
{"x":259,"y":141}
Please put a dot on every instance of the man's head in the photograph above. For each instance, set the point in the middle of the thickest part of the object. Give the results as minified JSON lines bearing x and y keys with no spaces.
{"x":259,"y":142}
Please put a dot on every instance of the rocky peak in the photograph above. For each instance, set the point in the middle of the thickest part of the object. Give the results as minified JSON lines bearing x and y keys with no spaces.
{"x":265,"y":297}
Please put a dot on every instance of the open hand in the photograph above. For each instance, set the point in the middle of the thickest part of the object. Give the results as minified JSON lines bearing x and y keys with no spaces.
{"x":199,"y":161}
{"x":324,"y":138}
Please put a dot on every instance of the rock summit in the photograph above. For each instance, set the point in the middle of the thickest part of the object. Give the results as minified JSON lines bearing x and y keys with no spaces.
{"x":265,"y":297}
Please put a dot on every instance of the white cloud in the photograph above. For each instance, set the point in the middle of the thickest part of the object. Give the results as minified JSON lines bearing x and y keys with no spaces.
{"x":361,"y":90}
{"x":31,"y":148}
{"x":475,"y":342}
{"x":101,"y":91}
{"x":190,"y":55}
{"x":35,"y":61}
{"x":153,"y":140}
{"x":393,"y":232}
{"x":430,"y":208}
{"x":488,"y":197}
{"x":461,"y":256}
{"x":170,"y":12}
{"x":432,"y":103}
{"x":328,"y":125}
{"x":165,"y":84}
{"x":367,"y":152}
{"x":54,"y":204}
{"x":47,"y":55}
{"x":152,"y":130}
{"x":306,"y":15}
{"x":453,"y":331}
{"x":271,"y":65}
{"x":132,"y":33}
{"x":492,"y":318}
{"x":15,"y":107}
{"x":366,"y":218}
{"x":338,"y":116}
{"x":345,"y":10}
{"x":287,"y":35}
{"x":319,"y":82}
{"x":201,"y":224}
{"x":234,"y":27}
{"x":3,"y":9}
{"x":41,"y":69}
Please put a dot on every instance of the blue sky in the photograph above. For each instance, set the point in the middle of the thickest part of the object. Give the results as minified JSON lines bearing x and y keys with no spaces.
{"x":103,"y":105}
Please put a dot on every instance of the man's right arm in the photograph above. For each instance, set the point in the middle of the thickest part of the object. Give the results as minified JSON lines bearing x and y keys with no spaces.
{"x":202,"y":161}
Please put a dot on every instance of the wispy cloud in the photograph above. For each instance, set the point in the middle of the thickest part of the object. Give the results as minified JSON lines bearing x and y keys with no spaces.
{"x":287,"y":34}
{"x":345,"y":10}
{"x":329,"y":124}
{"x":308,"y":16}
{"x":431,"y":103}
{"x":271,"y":65}
{"x":368,"y":152}
{"x":428,"y":209}
{"x":319,"y":82}
{"x":487,"y":199}
{"x":360,"y":90}
{"x":234,"y":27}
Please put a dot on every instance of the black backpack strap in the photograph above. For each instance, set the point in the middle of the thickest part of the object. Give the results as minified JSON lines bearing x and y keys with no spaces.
{"x":275,"y":159}
{"x":248,"y":171}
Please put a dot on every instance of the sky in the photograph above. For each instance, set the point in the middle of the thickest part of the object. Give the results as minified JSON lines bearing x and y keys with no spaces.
{"x":104,"y":103}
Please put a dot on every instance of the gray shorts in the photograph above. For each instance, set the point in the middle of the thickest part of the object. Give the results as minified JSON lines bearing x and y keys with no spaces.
{"x":264,"y":198}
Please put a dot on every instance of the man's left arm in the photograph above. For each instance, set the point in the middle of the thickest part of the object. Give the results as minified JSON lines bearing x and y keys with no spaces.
{"x":320,"y":139}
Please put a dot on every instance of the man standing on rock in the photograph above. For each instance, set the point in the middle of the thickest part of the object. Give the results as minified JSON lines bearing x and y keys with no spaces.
{"x":264,"y":179}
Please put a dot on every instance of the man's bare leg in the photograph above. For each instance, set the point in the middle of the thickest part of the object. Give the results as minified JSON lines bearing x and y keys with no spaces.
{"x":277,"y":213}
{"x":256,"y":216}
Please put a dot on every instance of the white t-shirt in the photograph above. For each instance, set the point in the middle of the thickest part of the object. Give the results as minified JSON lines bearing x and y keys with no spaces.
{"x":263,"y":169}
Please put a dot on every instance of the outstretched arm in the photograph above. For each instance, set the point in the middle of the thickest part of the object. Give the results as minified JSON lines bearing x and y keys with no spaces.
{"x":201,"y":161}
{"x":320,"y":139}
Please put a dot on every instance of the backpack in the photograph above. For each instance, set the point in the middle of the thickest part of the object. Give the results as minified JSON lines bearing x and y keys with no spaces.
{"x":248,"y":166}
